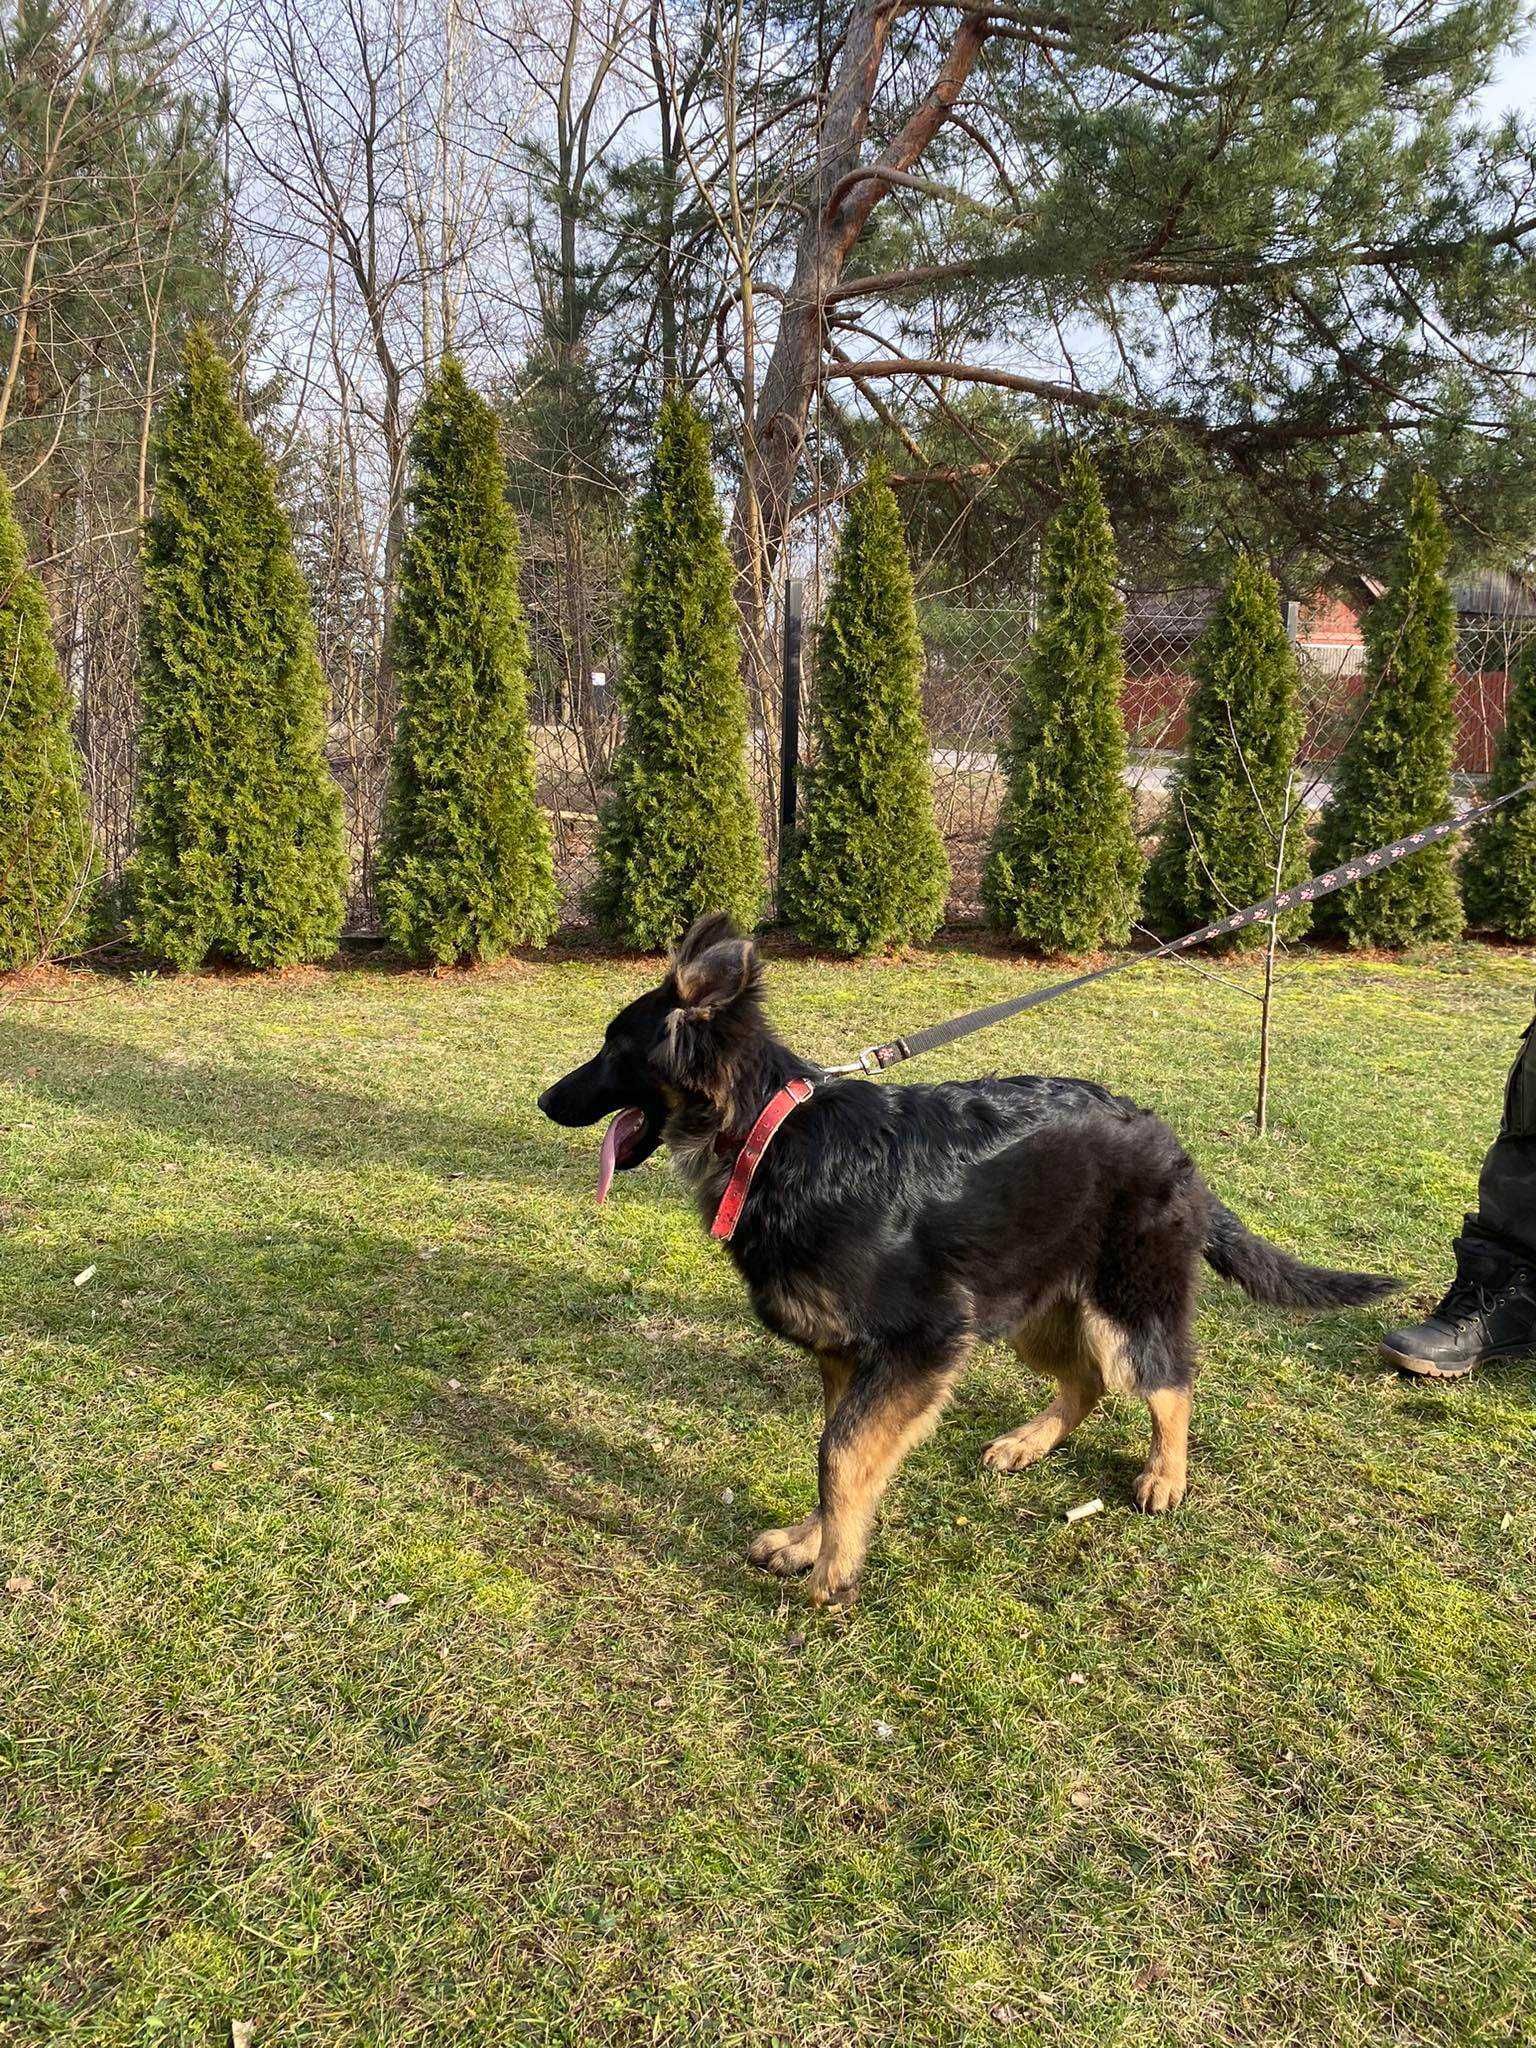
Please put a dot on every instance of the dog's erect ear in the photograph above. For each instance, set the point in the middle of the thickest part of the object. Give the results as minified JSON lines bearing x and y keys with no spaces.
{"x":706,"y":931}
{"x":710,"y":980}
{"x":713,"y":983}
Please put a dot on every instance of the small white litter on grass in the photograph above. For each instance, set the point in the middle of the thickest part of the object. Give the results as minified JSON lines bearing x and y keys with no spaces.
{"x":727,"y":1497}
{"x":81,"y":1278}
{"x":1084,"y":1510}
{"x":884,"y":1732}
{"x":398,"y":1600}
{"x":241,"y":2034}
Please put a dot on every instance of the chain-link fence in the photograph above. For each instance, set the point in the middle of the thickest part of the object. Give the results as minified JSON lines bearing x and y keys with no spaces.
{"x":975,"y":652}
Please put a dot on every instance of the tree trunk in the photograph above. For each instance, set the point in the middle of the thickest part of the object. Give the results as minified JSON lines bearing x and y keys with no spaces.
{"x":666,"y":225}
{"x":839,"y":208}
{"x":394,"y":536}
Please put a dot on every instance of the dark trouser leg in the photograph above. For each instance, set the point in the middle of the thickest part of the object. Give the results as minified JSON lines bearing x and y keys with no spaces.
{"x":1489,"y":1310}
{"x":1506,"y":1190}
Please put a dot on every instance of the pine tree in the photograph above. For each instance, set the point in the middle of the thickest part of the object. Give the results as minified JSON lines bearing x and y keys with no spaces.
{"x":1395,"y":771}
{"x":867,"y":868}
{"x":465,"y":868}
{"x":1064,"y":865}
{"x":679,"y":833}
{"x":1498,"y":870}
{"x":1228,"y":819}
{"x":45,"y":838}
{"x":240,"y":854}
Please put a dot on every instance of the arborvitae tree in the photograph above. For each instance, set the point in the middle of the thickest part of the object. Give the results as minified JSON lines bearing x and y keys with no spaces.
{"x":465,"y":869}
{"x":1395,"y":771}
{"x":1064,"y":866}
{"x":1498,"y":870}
{"x":867,"y":868}
{"x":45,"y":837}
{"x":240,"y":854}
{"x":679,"y":833}
{"x":1228,"y":821}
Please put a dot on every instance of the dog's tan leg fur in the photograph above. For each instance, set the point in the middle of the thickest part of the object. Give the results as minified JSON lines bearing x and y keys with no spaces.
{"x":857,"y":1463}
{"x":1075,"y":1400}
{"x":795,"y":1549}
{"x":1061,"y":1344}
{"x":1162,"y":1480}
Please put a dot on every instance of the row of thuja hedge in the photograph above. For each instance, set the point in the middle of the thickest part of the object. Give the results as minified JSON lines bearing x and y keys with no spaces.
{"x":239,"y":850}
{"x":1065,"y":871}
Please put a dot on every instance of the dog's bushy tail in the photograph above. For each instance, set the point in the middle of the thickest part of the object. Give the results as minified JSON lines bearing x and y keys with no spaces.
{"x":1272,"y":1276}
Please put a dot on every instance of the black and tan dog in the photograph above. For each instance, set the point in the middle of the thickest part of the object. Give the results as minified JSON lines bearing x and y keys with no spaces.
{"x":888,"y":1230}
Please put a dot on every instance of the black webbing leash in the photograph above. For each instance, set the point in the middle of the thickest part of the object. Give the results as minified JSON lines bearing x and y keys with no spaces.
{"x":876,"y":1058}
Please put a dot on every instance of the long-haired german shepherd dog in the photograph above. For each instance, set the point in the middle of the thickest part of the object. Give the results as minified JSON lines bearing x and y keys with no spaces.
{"x":889,"y":1229}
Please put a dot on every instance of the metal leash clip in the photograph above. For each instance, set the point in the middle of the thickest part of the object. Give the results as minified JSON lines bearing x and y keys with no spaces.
{"x":874,"y":1059}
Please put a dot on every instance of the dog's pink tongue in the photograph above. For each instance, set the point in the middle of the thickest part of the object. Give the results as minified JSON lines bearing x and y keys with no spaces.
{"x":624,"y":1123}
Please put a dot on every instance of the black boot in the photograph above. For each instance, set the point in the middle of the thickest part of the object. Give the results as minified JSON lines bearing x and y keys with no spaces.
{"x":1489,"y":1311}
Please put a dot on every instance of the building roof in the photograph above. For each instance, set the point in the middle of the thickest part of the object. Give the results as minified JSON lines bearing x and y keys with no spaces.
{"x":1178,"y":616}
{"x":1495,"y":594}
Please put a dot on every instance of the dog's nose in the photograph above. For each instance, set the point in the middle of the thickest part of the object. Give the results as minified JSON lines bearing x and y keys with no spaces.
{"x":543,"y":1102}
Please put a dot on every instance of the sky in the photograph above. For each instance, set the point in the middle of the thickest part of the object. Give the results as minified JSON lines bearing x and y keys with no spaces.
{"x":1515,"y":85}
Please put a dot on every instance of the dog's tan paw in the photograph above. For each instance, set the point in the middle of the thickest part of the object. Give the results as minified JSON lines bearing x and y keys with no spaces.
{"x":1018,"y":1450}
{"x":829,"y":1588}
{"x":1156,"y":1492}
{"x":787,"y":1551}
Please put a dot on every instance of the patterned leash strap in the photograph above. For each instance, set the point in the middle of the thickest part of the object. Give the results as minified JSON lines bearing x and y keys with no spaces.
{"x":876,"y":1058}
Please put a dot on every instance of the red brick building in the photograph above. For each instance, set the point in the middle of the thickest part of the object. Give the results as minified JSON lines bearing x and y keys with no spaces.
{"x":1496,"y":616}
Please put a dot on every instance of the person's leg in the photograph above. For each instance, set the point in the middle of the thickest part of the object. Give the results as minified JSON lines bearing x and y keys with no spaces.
{"x":1489,"y":1310}
{"x":1506,"y":1189}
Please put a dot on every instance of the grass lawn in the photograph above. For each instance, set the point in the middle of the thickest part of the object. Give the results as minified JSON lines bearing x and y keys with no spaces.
{"x":380,"y":1664}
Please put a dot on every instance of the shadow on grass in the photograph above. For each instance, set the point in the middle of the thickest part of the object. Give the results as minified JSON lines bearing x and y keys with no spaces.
{"x":256,"y":1115}
{"x":594,"y":1400}
{"x":372,"y":1320}
{"x":362,"y":1321}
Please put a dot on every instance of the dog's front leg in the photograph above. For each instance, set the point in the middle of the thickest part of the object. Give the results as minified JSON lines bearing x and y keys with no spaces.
{"x":888,"y":1407}
{"x":788,"y":1551}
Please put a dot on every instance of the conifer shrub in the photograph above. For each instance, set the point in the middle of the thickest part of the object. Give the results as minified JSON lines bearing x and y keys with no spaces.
{"x":239,"y":853}
{"x":465,"y":865}
{"x":1064,"y":867}
{"x":45,"y":837}
{"x":1395,"y":771}
{"x":679,"y":832}
{"x":867,"y":868}
{"x":1498,"y":870}
{"x":1228,"y":820}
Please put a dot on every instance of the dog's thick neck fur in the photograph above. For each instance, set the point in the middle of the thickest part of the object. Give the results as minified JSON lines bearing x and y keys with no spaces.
{"x":735,"y":1067}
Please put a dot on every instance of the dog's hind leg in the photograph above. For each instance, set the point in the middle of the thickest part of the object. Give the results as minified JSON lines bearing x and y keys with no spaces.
{"x":795,"y":1549}
{"x":888,"y":1407}
{"x":1160,"y":1349}
{"x":1145,"y":1288}
{"x":1058,"y":1344}
{"x":1162,"y":1480}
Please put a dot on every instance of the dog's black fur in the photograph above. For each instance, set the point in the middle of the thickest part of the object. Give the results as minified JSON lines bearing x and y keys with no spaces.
{"x":889,"y":1229}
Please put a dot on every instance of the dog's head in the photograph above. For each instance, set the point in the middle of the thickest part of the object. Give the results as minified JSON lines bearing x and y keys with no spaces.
{"x":676,"y":1045}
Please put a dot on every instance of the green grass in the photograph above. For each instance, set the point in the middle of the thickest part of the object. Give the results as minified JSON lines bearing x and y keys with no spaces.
{"x":1260,"y":1773}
